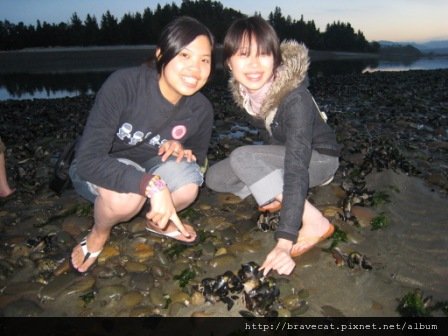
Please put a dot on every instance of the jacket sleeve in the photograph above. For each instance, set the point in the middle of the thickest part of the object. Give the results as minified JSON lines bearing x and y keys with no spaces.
{"x":94,"y":162}
{"x":298,"y":124}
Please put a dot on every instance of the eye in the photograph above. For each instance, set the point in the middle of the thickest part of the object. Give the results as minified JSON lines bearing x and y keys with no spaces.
{"x":184,"y":54}
{"x":206,"y":60}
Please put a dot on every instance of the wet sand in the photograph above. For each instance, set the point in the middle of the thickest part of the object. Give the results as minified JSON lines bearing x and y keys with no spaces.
{"x":38,"y":228}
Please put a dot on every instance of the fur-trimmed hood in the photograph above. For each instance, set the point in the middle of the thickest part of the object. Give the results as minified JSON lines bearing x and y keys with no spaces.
{"x":290,"y":74}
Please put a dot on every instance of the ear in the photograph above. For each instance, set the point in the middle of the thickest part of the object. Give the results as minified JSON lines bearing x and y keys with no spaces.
{"x":229,"y":66}
{"x":158,"y":54}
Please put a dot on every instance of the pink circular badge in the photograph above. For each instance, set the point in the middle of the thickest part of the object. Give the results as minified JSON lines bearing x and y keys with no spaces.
{"x":178,"y":132}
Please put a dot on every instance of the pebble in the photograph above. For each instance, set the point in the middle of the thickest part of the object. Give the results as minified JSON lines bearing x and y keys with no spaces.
{"x":81,"y":286}
{"x":108,"y":252}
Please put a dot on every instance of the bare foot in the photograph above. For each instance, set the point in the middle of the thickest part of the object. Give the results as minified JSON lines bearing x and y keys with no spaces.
{"x":312,"y":233}
{"x":274,"y":206}
{"x":7,"y":193}
{"x":86,"y":252}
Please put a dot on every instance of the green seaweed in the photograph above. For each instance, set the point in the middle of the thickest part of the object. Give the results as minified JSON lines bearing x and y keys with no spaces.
{"x":84,"y":210}
{"x":87,"y":298}
{"x":175,"y":250}
{"x":190,"y":214}
{"x":338,"y":237}
{"x":184,"y":277}
{"x":380,"y":198}
{"x":379,"y":222}
{"x":413,"y":305}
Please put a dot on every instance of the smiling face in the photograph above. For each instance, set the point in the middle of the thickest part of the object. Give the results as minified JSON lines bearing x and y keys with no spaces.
{"x":250,"y":66}
{"x":188,"y":71}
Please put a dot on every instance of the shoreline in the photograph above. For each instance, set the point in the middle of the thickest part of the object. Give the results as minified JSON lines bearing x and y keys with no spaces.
{"x":106,"y":58}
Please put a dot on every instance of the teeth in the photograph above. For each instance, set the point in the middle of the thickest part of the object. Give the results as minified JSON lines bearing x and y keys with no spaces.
{"x":254,"y":76}
{"x":190,"y":80}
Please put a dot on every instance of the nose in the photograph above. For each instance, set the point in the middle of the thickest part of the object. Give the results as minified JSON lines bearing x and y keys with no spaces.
{"x":194,"y":66}
{"x":253,"y":60}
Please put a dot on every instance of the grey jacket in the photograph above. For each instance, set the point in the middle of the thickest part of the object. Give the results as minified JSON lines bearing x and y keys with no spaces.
{"x":293,"y":120}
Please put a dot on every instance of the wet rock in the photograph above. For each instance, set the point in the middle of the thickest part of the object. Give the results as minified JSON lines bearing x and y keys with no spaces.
{"x":80,"y":286}
{"x":143,"y":312}
{"x":131,"y":299}
{"x":24,"y":288}
{"x":106,"y":294}
{"x":157,"y":298}
{"x":223,"y":261}
{"x":197,"y":299}
{"x":20,"y":250}
{"x":142,"y":282}
{"x":141,"y":252}
{"x":157,"y":270}
{"x":363,"y":215}
{"x":284,"y":313}
{"x":62,"y":268}
{"x":22,"y":307}
{"x":75,"y":225}
{"x":225,"y":198}
{"x":180,"y":297}
{"x":108,"y":252}
{"x":135,"y":267}
{"x":55,"y":287}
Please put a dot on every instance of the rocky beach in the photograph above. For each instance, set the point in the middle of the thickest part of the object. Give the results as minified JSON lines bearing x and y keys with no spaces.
{"x":389,"y":202}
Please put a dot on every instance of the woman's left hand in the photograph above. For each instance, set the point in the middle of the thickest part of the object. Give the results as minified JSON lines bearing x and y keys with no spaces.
{"x":279,"y":259}
{"x":175,"y":148}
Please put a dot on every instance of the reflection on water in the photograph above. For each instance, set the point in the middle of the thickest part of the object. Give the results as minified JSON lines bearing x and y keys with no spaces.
{"x":48,"y":86}
{"x":419,"y":64}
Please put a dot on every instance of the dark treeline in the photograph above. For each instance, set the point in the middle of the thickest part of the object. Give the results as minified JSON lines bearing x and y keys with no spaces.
{"x":144,"y":28}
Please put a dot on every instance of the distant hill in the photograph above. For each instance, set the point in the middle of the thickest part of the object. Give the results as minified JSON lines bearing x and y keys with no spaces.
{"x":397,"y":50}
{"x":439,"y":47}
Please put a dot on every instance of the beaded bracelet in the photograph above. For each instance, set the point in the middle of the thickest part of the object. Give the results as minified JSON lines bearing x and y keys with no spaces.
{"x":155,"y":185}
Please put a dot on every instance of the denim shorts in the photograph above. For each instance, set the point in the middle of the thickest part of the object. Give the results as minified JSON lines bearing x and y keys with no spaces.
{"x":175,"y":174}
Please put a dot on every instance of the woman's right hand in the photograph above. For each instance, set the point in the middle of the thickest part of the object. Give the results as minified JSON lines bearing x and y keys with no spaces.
{"x":279,"y":259}
{"x":163,"y":210}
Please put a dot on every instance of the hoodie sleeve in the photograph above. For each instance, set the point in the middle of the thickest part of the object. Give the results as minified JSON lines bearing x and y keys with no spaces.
{"x":94,"y":162}
{"x":298,"y":124}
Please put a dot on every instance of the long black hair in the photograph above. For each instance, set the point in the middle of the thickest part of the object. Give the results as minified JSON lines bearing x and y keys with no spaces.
{"x":176,"y":35}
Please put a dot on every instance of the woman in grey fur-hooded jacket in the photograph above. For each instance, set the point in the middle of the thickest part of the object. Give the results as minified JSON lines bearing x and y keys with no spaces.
{"x":269,"y":81}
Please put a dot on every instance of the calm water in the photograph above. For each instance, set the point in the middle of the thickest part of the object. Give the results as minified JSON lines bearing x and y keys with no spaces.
{"x":48,"y":86}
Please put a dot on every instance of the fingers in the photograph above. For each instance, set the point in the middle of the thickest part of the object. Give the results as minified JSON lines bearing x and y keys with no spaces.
{"x":278,"y":261}
{"x":176,"y":149}
{"x":158,"y":218}
{"x":175,"y":219}
{"x":188,"y":154}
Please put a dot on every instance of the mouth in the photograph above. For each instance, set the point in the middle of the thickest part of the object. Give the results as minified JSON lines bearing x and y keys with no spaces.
{"x":190,"y":81}
{"x":254,"y":77}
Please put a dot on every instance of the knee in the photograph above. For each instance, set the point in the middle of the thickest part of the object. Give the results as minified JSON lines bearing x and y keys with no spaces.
{"x":185,"y":195}
{"x":189,"y":192}
{"x":240,"y":155}
{"x":121,"y":204}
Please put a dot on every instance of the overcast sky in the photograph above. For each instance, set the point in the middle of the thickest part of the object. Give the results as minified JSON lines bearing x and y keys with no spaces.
{"x":393,"y":20}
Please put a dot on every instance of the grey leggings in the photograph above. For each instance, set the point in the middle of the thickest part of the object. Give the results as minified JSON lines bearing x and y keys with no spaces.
{"x":258,"y":170}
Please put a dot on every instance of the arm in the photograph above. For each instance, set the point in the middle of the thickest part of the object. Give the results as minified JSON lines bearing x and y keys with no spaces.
{"x":94,"y":162}
{"x":297,"y":126}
